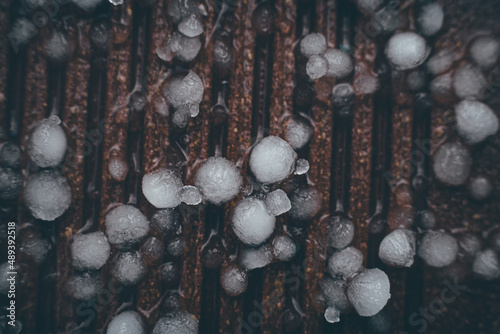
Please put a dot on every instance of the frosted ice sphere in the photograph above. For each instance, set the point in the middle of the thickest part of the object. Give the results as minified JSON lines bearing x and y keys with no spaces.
{"x":190,"y":195}
{"x":162,"y":188}
{"x":398,"y":248}
{"x":87,"y":5}
{"x":57,"y":47}
{"x":4,"y":284}
{"x":313,"y":44}
{"x":10,"y":155}
{"x":84,"y":286}
{"x":253,"y":258}
{"x":36,"y":247}
{"x":128,"y":322}
{"x":152,"y":251}
{"x":486,"y":265}
{"x":366,"y":84}
{"x":234,"y":281}
{"x":426,"y":220}
{"x":172,"y":45}
{"x":343,"y":96}
{"x":475,"y":121}
{"x":297,"y":133}
{"x":176,"y":322}
{"x":440,"y":62}
{"x":415,"y":80}
{"x":176,"y":246}
{"x":128,"y":268}
{"x":430,"y":19}
{"x":340,"y":231}
{"x":485,"y":51}
{"x":469,"y":83}
{"x":190,"y":47}
{"x":284,"y":248}
{"x":316,"y":67}
{"x":11,"y":183}
{"x":442,"y":86}
{"x":306,"y":203}
{"x":126,"y":226}
{"x":332,"y":314}
{"x":169,"y":274}
{"x":333,"y":292}
{"x":118,"y":169}
{"x":406,"y":50}
{"x":191,"y":26}
{"x":21,"y":32}
{"x":47,"y":143}
{"x":277,"y":202}
{"x":469,"y":245}
{"x":345,"y":263}
{"x":219,"y":180}
{"x":452,"y":163}
{"x":183,"y":90}
{"x":438,"y":249}
{"x":369,"y":291}
{"x":480,"y":187}
{"x":180,"y":117}
{"x":301,"y":167}
{"x":339,"y":63}
{"x":167,"y":222}
{"x":47,"y":195}
{"x":272,"y":160}
{"x":90,"y":251}
{"x":251,"y":222}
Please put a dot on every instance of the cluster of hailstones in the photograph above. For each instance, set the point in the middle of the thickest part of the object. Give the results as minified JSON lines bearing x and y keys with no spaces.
{"x":368,"y":290}
{"x":183,"y":92}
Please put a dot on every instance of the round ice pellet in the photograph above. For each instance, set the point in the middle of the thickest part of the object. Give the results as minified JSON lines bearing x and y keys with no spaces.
{"x":313,"y":44}
{"x":398,"y":248}
{"x":47,"y":144}
{"x":486,"y":265}
{"x":440,"y":62}
{"x":253,"y":258}
{"x":176,"y":322}
{"x":191,"y":26}
{"x":284,"y":248}
{"x":219,"y":180}
{"x":485,"y":51}
{"x":251,"y":222}
{"x":297,"y":133}
{"x":475,"y":121}
{"x":438,"y":249}
{"x":128,"y":268}
{"x":126,"y":226}
{"x":480,"y":187}
{"x":234,"y":281}
{"x":129,"y":322}
{"x":333,"y":292}
{"x":406,"y":50}
{"x":272,"y":160}
{"x":430,"y":19}
{"x":277,"y":202}
{"x":369,"y":291}
{"x":84,"y":286}
{"x":340,"y":231}
{"x":167,"y":222}
{"x":162,"y":188}
{"x":469,"y":83}
{"x":345,"y":263}
{"x":316,"y":67}
{"x":452,"y":163}
{"x":90,"y":251}
{"x":47,"y":195}
{"x":339,"y":63}
{"x":182,"y":90}
{"x":306,"y":203}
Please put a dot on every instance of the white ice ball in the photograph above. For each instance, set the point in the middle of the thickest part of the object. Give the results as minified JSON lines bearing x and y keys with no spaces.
{"x":162,"y":188}
{"x":475,"y":121}
{"x":406,"y":50}
{"x":272,"y":160}
{"x":369,"y":291}
{"x":251,"y":222}
{"x":47,"y":144}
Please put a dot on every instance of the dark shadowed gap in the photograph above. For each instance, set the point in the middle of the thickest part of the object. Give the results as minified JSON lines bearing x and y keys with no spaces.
{"x":381,"y":157}
{"x":421,"y":141}
{"x":138,"y":100}
{"x":214,"y":214}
